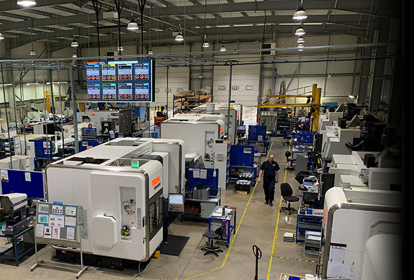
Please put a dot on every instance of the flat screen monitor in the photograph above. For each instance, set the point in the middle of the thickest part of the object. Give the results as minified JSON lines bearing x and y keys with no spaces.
{"x":176,"y":199}
{"x":120,"y":81}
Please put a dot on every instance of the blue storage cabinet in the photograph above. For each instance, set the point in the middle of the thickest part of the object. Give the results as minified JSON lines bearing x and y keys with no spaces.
{"x":255,"y":131}
{"x":242,"y":157}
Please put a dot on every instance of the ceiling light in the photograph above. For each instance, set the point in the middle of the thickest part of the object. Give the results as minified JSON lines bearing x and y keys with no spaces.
{"x":120,"y":49}
{"x":301,"y":40}
{"x":26,"y":3}
{"x":223,"y":49}
{"x":1,"y":36}
{"x":74,"y":44}
{"x":300,"y":46}
{"x":32,"y":52}
{"x":300,"y":31}
{"x":206,"y":44}
{"x":132,"y":25}
{"x":300,"y":14}
{"x":179,"y":37}
{"x":74,"y":55}
{"x":300,"y":49}
{"x":150,"y":52}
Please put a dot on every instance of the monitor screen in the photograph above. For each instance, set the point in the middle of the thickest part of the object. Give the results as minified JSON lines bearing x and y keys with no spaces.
{"x":120,"y":81}
{"x":176,"y":199}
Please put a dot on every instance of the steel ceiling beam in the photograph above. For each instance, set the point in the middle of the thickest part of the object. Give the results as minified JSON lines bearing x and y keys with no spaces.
{"x":355,"y":20}
{"x":241,"y":32}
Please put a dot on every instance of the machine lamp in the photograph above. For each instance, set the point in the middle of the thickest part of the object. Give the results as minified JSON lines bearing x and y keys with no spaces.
{"x":32,"y":52}
{"x":301,"y":40}
{"x":223,"y":49}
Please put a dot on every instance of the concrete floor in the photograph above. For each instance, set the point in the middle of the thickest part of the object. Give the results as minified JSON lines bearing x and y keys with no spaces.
{"x":257,"y":224}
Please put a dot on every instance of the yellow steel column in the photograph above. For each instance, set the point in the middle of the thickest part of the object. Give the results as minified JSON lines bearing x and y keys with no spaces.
{"x":316,"y":99}
{"x":47,"y":101}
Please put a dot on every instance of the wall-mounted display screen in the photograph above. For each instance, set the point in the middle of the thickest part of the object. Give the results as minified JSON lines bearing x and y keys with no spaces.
{"x":120,"y":81}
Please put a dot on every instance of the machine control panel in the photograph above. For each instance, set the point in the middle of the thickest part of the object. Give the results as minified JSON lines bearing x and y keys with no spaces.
{"x":176,"y":203}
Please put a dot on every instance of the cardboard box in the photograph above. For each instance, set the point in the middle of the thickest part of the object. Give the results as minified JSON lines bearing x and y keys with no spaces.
{"x":184,"y":93}
{"x":261,"y":149}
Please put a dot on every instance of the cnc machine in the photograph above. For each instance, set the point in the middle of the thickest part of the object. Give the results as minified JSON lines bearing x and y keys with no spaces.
{"x":199,"y":132}
{"x":121,"y":186}
{"x":351,"y":218}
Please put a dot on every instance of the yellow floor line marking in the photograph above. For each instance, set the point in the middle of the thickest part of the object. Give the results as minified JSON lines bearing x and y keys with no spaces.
{"x":276,"y":229}
{"x":234,"y":238}
{"x":237,"y":230}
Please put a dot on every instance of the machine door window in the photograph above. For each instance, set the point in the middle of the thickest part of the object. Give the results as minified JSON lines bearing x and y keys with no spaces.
{"x":156,"y":217}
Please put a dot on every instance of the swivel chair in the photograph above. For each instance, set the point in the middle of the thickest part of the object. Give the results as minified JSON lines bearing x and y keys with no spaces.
{"x":286,"y":192}
{"x":287,"y":155}
{"x":213,"y":235}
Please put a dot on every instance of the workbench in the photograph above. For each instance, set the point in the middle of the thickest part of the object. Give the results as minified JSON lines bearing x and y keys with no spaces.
{"x":227,"y":219}
{"x":18,"y":249}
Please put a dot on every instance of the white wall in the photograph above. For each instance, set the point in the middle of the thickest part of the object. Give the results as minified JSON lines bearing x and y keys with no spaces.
{"x":340,"y":84}
{"x":335,"y":78}
{"x":242,"y":76}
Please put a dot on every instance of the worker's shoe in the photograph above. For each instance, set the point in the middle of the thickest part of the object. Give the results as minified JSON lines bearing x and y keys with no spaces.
{"x":267,"y":202}
{"x":270,"y":203}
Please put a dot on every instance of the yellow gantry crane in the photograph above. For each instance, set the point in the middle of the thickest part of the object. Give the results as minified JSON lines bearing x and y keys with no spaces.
{"x":314,"y":102}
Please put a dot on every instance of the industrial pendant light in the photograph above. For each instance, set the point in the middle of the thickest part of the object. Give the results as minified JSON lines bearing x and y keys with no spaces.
{"x":223,"y":49}
{"x":1,"y":36}
{"x":300,"y":31}
{"x":150,"y":52}
{"x":74,"y":55}
{"x":206,"y":44}
{"x":300,"y":14}
{"x":179,"y":37}
{"x":300,"y":46}
{"x":120,"y":49}
{"x":32,"y":52}
{"x":26,"y":3}
{"x":301,"y":40}
{"x":132,"y":25}
{"x":74,"y":44}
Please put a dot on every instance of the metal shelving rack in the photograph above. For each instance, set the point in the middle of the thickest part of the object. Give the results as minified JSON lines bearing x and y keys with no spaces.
{"x":191,"y":103}
{"x":283,"y":121}
{"x":312,"y":222}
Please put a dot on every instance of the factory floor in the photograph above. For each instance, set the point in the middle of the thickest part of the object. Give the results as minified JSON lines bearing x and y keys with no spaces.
{"x":257,"y":224}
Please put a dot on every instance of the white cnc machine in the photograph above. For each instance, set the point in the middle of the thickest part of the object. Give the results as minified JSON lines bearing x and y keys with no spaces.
{"x":351,"y":218}
{"x":120,"y":186}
